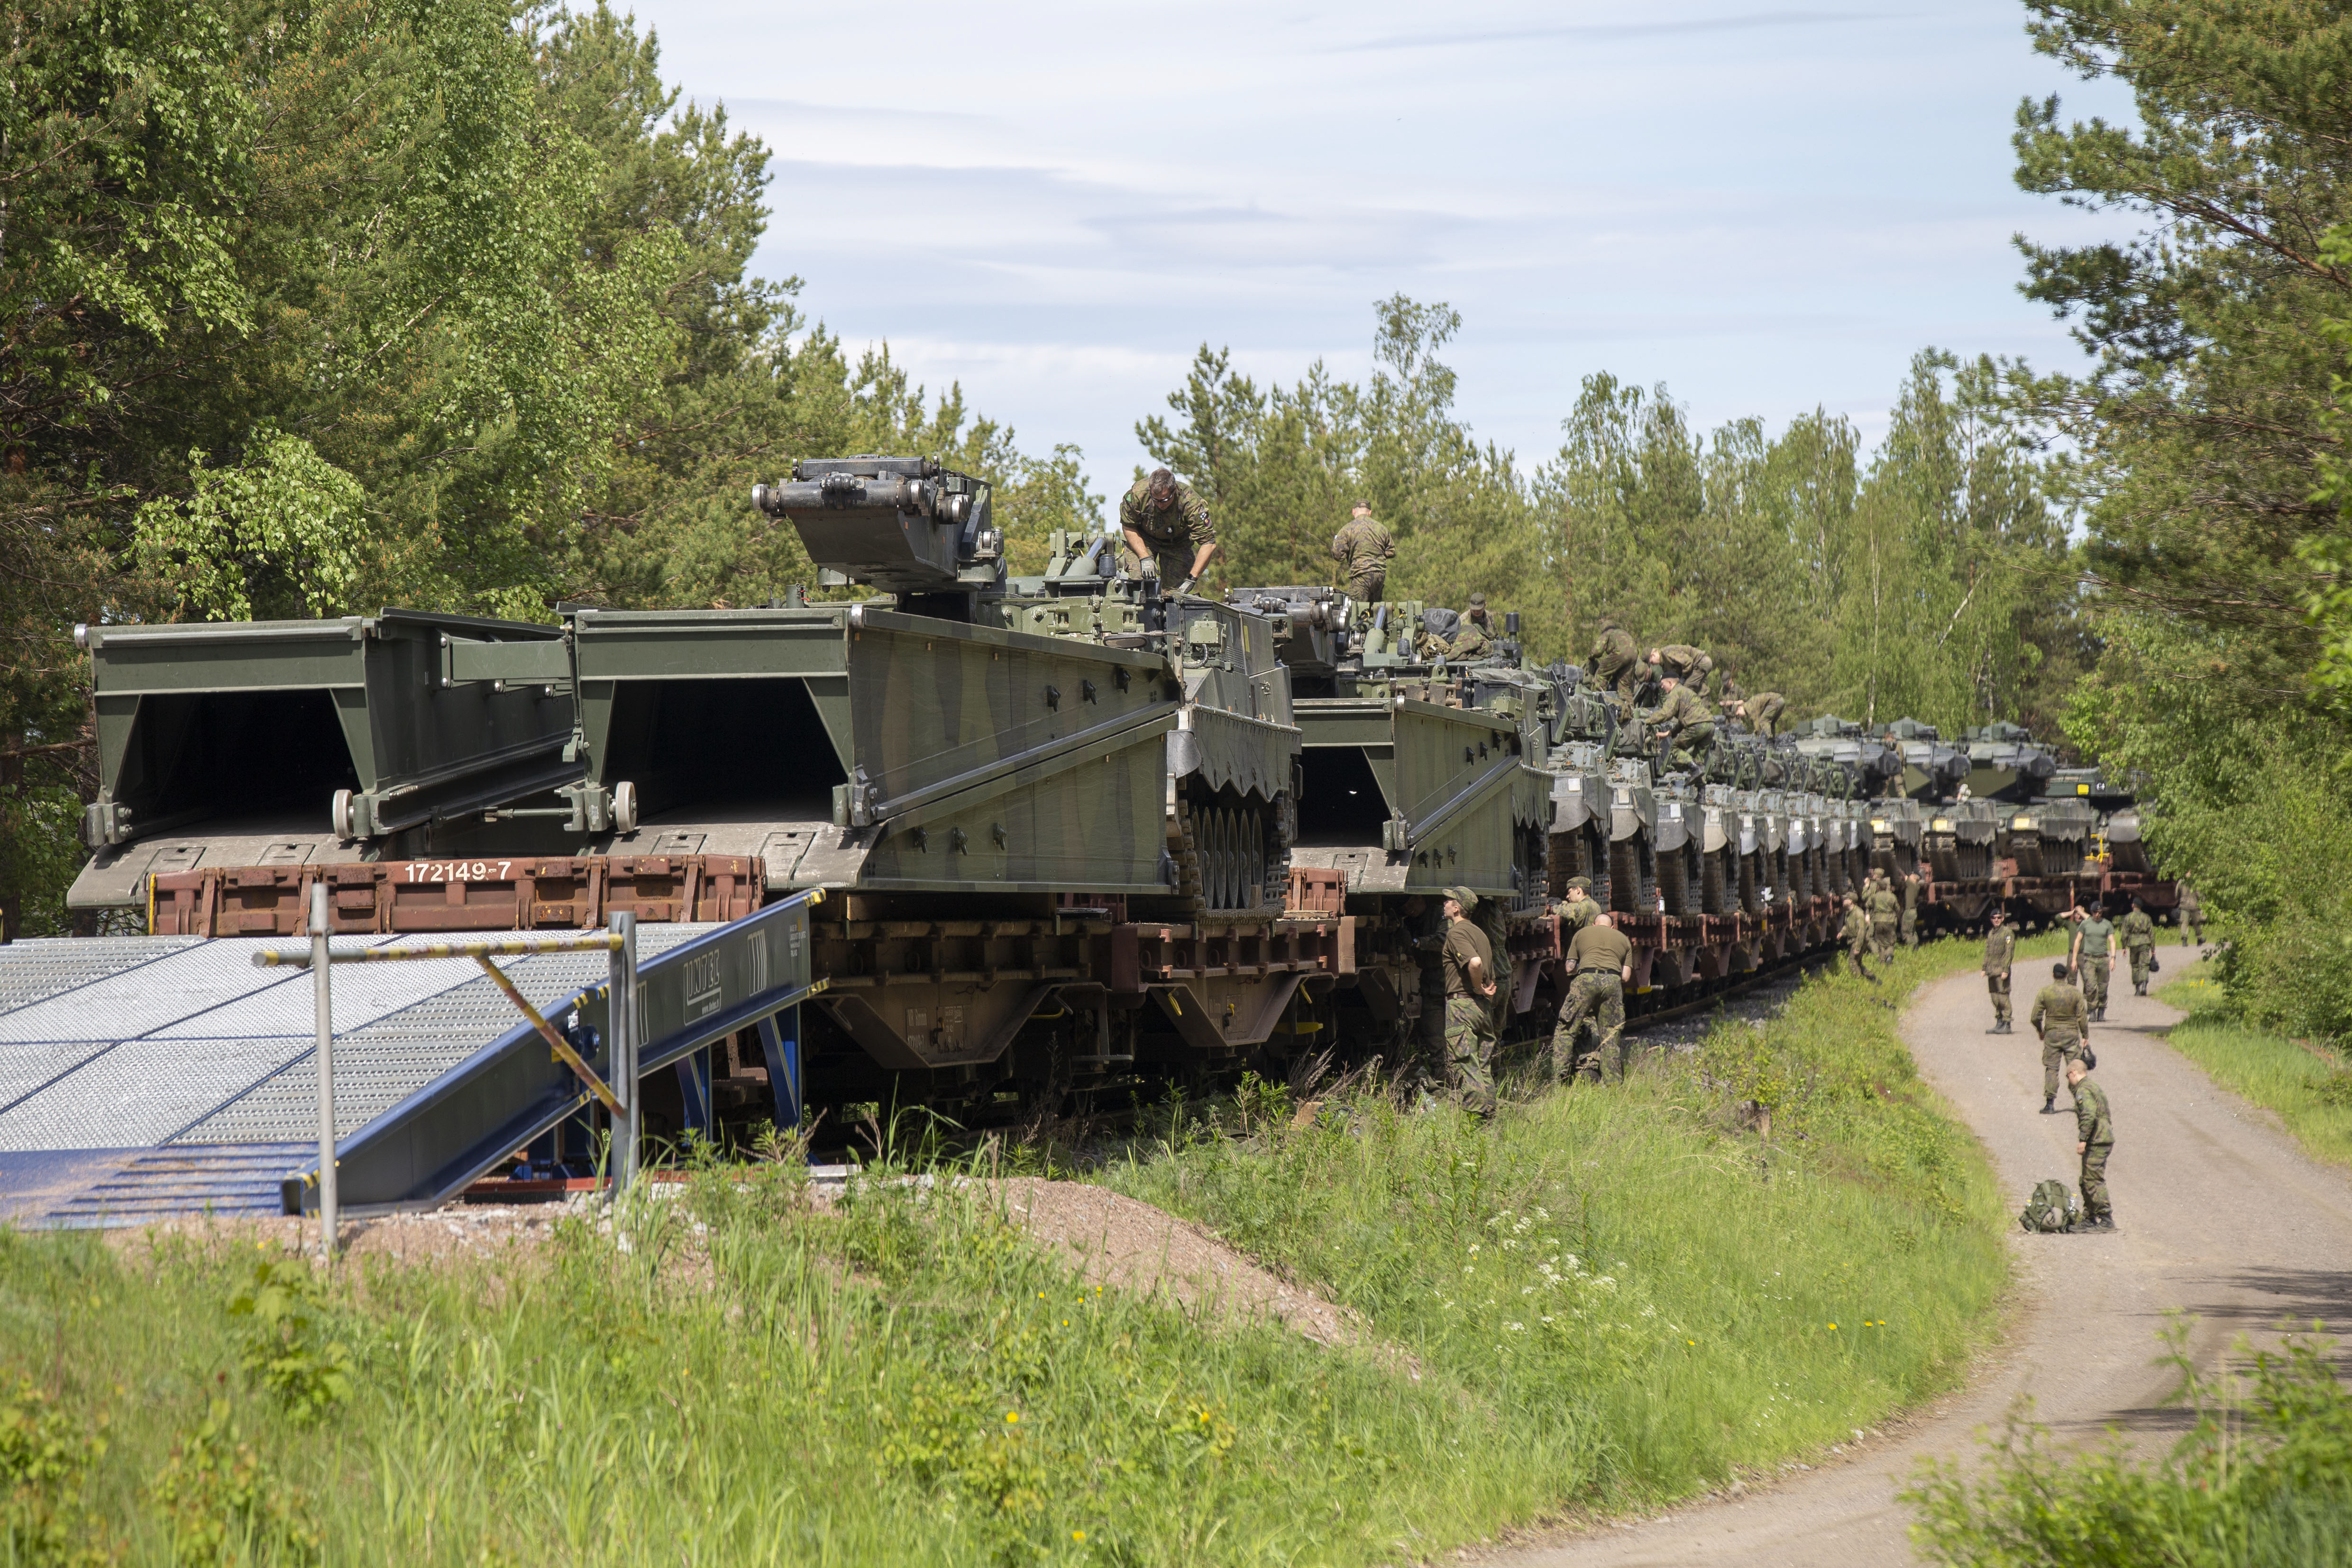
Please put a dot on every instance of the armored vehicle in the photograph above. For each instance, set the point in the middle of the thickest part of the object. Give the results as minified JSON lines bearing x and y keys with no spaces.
{"x":2005,"y":764}
{"x":1932,"y":770}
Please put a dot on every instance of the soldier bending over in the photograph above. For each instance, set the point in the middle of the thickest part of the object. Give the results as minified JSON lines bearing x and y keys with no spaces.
{"x":2094,"y":1140}
{"x":1168,"y":527}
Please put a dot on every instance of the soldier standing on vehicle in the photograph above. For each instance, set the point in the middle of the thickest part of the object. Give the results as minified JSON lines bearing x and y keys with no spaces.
{"x":1682,"y":721}
{"x":2192,"y":917}
{"x":1600,"y":967}
{"x":2094,"y":1140}
{"x":2094,"y":955}
{"x":2138,"y":933}
{"x":1615,"y":664}
{"x":2059,"y":1017}
{"x":1473,"y":639}
{"x":1910,"y":909}
{"x":1363,"y":550}
{"x":2001,"y":951}
{"x":1855,"y":934}
{"x":1469,"y":963}
{"x":1886,"y":913}
{"x":1761,"y":712}
{"x":1167,"y":524}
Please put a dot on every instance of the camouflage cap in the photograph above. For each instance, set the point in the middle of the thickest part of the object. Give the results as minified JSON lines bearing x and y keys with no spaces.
{"x":1581,"y":884}
{"x":1477,"y":601}
{"x":1464,"y":897}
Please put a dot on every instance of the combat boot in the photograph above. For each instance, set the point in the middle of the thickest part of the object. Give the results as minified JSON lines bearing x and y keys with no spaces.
{"x":2050,"y":1107}
{"x":2001,"y":1028}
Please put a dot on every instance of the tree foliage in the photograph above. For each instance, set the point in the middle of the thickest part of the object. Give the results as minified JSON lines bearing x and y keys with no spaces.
{"x":316,"y":305}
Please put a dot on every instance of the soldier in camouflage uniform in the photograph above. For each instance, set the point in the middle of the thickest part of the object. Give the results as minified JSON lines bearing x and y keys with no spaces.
{"x":1468,"y":961}
{"x":1363,"y":550}
{"x":1761,"y":712}
{"x":1600,"y":964}
{"x":1910,"y":891}
{"x":2000,"y":951}
{"x":1682,"y":719}
{"x":2094,"y":955}
{"x":1885,"y":913}
{"x":2138,"y":933}
{"x":1855,"y":935}
{"x":1689,"y":665}
{"x":2094,"y":1140}
{"x":2062,"y":1020}
{"x":2192,"y":917}
{"x":1167,"y":524}
{"x":1473,"y":638}
{"x":1615,"y":664}
{"x":1578,"y":910}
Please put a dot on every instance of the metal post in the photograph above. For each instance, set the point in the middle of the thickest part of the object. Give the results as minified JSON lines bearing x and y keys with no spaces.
{"x":322,"y":1000}
{"x":622,"y":1063}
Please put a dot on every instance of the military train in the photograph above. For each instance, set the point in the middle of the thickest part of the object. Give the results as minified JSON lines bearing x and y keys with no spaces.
{"x":1073,"y":833}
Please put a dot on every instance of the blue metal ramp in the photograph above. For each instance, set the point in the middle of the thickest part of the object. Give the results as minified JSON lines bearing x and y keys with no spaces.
{"x":115,"y":1050}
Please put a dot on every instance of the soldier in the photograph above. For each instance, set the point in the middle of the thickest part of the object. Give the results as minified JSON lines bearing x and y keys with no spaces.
{"x":2192,"y":917}
{"x":1469,"y":963}
{"x":2059,"y":1017}
{"x":1168,"y":526}
{"x":1578,"y":910}
{"x":1689,"y":665}
{"x":2001,"y":951}
{"x":1363,"y":550}
{"x":2094,"y":1140}
{"x":1600,"y":967}
{"x":1855,"y":934}
{"x":1613,"y":664}
{"x":1910,"y":887}
{"x":1761,"y":712}
{"x":2139,"y":934}
{"x":2094,"y":952}
{"x":1473,"y":638}
{"x":1682,"y":719}
{"x":1885,"y":914}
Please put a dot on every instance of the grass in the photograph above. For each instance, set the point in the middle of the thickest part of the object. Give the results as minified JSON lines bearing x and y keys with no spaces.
{"x":2307,"y":1087}
{"x":1613,"y":1297}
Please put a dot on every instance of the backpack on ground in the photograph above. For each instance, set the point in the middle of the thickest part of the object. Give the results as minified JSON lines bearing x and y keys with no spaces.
{"x":2053,"y":1208}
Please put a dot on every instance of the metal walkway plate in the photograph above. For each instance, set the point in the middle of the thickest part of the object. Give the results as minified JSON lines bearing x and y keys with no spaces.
{"x":143,"y":1042}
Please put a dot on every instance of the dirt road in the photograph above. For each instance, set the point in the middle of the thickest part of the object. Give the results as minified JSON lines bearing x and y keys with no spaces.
{"x":2218,"y":1214}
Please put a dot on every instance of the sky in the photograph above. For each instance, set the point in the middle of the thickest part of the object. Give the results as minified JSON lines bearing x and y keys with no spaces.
{"x":1766,"y":210}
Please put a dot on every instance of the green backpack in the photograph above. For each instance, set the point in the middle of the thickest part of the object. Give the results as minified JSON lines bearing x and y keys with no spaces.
{"x":2052,"y":1209}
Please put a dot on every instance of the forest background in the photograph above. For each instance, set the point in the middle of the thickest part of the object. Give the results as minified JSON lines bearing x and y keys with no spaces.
{"x":306,"y":308}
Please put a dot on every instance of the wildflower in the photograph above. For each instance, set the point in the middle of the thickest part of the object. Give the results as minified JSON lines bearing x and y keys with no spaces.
{"x":1690,"y":1341}
{"x":1077,"y":1535}
{"x":1012,"y":1416}
{"x":1833,"y":1325}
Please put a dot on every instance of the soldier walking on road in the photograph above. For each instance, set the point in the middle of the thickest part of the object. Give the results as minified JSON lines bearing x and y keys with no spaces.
{"x":1886,"y":910}
{"x":1857,"y":937}
{"x":2001,"y":951}
{"x":1469,"y":963}
{"x":2139,"y":934}
{"x":2094,"y":1140}
{"x":2060,"y":1018}
{"x":1167,"y":524}
{"x":2094,"y":955}
{"x":1614,"y":663}
{"x":1363,"y":550}
{"x":1600,"y":967}
{"x":2192,"y":917}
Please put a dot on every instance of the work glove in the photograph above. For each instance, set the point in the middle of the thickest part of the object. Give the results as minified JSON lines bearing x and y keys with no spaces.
{"x":1185,"y":586}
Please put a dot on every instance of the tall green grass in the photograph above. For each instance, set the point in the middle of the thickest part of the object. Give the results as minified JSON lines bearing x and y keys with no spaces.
{"x":1607,"y":1298}
{"x":2308,"y":1088}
